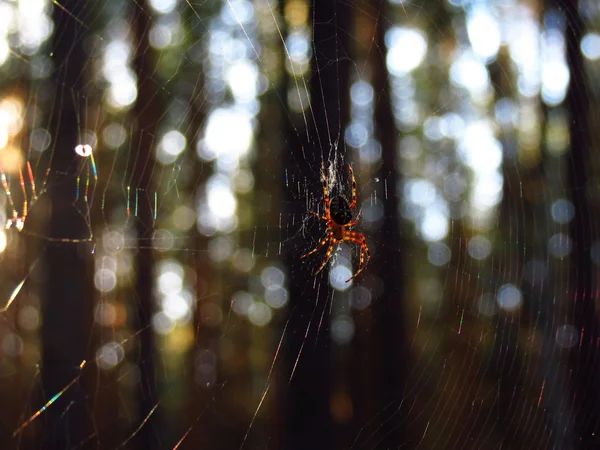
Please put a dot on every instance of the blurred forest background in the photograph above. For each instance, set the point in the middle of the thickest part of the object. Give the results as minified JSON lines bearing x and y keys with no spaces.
{"x":159,"y":162}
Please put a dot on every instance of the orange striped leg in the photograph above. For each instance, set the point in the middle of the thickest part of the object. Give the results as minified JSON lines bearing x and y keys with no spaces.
{"x":22,"y":181}
{"x":325,"y":190}
{"x":4,"y":183}
{"x":359,"y":239}
{"x":354,"y":222}
{"x":353,"y":204}
{"x":31,"y":181}
{"x":321,"y":243}
{"x":327,"y":255}
{"x":319,"y":216}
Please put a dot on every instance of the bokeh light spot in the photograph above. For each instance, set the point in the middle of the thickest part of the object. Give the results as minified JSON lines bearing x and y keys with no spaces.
{"x":567,"y":336}
{"x":509,"y":297}
{"x":342,"y":329}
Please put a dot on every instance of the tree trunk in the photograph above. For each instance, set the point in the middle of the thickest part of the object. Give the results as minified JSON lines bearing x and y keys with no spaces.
{"x":67,"y":298}
{"x":585,"y":364}
{"x":147,"y":114}
{"x":308,"y":419}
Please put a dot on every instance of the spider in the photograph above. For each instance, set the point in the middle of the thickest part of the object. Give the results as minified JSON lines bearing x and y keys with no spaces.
{"x":338,"y":216}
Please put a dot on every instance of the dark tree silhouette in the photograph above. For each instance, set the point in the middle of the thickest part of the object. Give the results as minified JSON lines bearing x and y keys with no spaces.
{"x":147,"y":113}
{"x":308,"y":419}
{"x":583,"y":232}
{"x":388,"y":309}
{"x":67,"y":295}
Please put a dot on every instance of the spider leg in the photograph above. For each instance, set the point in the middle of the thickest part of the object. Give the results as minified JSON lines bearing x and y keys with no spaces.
{"x":353,"y":204}
{"x":354,"y":222}
{"x":321,"y":244}
{"x":319,"y":216}
{"x":359,"y":239}
{"x":22,"y":181}
{"x":325,"y":190}
{"x":6,"y":187}
{"x":31,"y":181}
{"x":327,"y":255}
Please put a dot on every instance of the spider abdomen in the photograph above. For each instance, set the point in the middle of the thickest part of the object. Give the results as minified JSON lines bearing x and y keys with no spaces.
{"x":340,"y":210}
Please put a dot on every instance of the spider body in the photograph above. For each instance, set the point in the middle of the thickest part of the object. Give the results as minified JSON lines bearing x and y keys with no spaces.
{"x":338,"y":217}
{"x":340,"y":210}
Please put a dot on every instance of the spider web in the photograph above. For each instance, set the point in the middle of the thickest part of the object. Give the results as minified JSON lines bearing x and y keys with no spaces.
{"x":170,"y":162}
